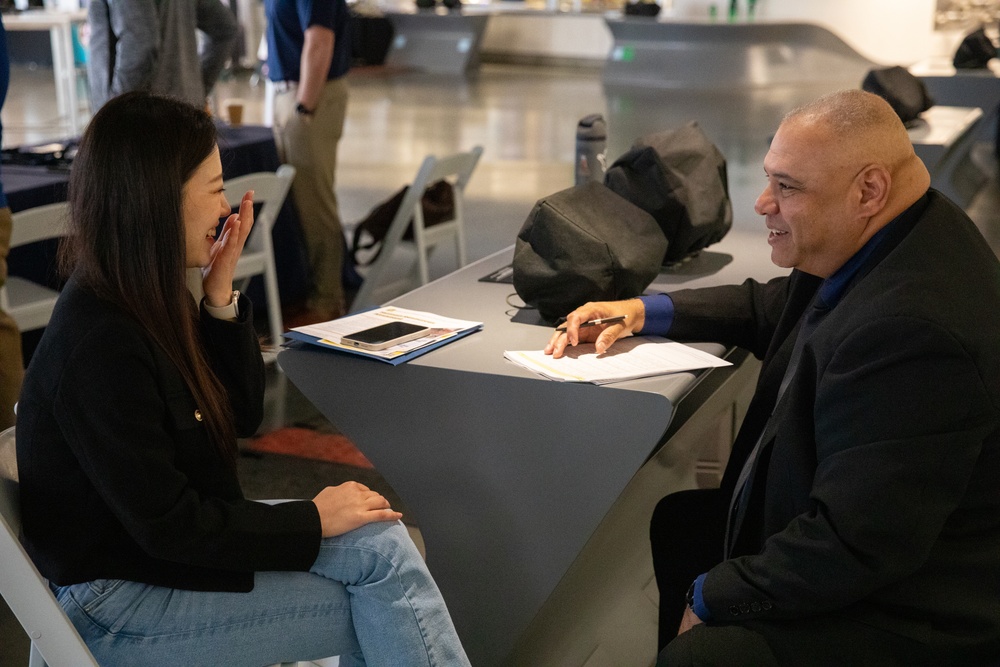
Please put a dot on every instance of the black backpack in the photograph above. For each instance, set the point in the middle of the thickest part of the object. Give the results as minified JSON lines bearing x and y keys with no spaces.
{"x":584,"y":244}
{"x":975,"y":51}
{"x":437,"y":204}
{"x":905,"y":93}
{"x":679,"y":177}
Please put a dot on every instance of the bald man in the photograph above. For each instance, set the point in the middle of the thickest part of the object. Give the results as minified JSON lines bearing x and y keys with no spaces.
{"x":858,"y":522}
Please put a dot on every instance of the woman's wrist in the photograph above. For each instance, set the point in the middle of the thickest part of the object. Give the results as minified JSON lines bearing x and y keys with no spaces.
{"x":220,"y":298}
{"x":227,"y":311}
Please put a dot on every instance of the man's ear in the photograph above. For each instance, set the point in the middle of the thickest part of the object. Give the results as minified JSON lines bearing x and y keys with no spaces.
{"x":874,"y":183}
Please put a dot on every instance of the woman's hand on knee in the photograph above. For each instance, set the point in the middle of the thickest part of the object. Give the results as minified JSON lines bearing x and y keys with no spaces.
{"x":351,"y":505}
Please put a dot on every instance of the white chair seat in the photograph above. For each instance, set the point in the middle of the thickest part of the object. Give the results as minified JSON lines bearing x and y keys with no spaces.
{"x":29,"y":303}
{"x":54,"y":640}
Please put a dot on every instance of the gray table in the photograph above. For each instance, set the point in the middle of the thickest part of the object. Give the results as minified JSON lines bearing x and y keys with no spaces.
{"x":517,"y":482}
{"x":943,"y":139}
{"x":443,"y":42}
{"x":964,"y":88}
{"x":711,"y":55}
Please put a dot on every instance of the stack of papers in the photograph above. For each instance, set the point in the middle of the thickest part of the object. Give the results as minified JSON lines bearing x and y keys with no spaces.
{"x":442,"y":330}
{"x":628,"y":359}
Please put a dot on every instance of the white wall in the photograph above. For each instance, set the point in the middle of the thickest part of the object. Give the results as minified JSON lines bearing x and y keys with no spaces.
{"x":893,"y":32}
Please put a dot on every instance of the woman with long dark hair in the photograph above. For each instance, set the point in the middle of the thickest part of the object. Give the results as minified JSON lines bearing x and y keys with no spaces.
{"x":126,"y":439}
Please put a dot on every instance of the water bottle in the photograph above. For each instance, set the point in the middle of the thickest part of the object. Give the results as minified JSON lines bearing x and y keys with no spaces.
{"x":591,"y":141}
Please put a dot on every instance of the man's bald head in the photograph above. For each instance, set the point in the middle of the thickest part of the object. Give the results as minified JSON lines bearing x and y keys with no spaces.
{"x":862,"y":129}
{"x":839,"y":170}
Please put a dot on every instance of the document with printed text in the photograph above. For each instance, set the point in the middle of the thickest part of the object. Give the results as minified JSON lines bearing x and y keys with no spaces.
{"x":628,"y":359}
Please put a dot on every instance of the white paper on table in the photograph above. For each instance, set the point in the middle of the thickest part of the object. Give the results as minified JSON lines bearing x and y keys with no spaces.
{"x":628,"y":359}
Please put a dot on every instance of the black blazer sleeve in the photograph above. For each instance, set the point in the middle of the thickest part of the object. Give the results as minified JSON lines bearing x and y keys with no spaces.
{"x":881,"y":493}
{"x":744,"y":315}
{"x":234,"y":352}
{"x":141,"y":448}
{"x":119,"y":477}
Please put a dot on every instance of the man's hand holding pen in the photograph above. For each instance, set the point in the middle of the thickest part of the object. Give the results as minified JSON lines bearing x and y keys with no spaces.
{"x":599,"y":322}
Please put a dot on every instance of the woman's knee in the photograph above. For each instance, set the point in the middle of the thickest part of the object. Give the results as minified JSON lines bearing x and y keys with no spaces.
{"x":378,"y":534}
{"x":368,"y":552}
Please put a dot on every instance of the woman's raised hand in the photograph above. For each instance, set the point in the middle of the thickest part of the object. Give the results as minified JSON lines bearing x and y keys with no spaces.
{"x":217,"y":278}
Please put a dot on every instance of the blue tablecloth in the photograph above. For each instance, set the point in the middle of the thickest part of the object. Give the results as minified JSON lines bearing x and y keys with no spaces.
{"x":244,"y":150}
{"x":28,"y":187}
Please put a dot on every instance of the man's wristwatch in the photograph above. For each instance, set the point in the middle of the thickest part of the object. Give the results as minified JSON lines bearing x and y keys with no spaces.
{"x":302,"y":110}
{"x":689,"y":598}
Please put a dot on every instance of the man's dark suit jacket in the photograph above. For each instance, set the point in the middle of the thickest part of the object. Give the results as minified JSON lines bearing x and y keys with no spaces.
{"x":882,"y":495}
{"x":119,"y":479}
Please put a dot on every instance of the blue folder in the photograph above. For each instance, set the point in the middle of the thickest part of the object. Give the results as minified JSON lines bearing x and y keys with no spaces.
{"x":395,"y":361}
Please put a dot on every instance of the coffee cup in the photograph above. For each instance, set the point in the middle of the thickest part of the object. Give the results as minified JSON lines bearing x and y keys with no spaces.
{"x":234,"y":110}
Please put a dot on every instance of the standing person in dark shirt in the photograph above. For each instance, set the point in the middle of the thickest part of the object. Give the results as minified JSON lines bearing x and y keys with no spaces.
{"x":308,"y":55}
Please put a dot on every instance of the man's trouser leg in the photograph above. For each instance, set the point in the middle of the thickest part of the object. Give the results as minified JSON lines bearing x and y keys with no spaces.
{"x":310,"y":145}
{"x":11,"y":364}
{"x":686,"y":535}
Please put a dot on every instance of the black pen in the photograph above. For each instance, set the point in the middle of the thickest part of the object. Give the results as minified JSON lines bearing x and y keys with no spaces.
{"x":594,"y":323}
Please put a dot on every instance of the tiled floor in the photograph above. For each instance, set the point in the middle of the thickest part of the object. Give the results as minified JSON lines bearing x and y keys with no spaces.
{"x":525,"y":118}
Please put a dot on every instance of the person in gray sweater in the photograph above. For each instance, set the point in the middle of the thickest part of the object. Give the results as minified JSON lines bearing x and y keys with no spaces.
{"x":152,"y":45}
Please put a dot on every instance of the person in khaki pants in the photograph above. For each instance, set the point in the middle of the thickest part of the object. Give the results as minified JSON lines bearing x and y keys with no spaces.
{"x":309,"y":52}
{"x":11,"y":366}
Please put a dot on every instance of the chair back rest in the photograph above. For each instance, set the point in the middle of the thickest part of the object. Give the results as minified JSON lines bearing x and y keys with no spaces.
{"x":23,"y":587}
{"x":270,"y":190}
{"x":457,"y":168}
{"x":39,"y":224}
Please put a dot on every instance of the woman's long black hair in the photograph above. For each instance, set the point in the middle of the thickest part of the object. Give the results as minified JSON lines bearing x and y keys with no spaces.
{"x":127,"y":240}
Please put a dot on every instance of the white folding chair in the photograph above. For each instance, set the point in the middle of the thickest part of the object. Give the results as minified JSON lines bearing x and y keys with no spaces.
{"x":457,"y":169}
{"x":54,"y":640}
{"x":29,"y":303}
{"x":270,"y":190}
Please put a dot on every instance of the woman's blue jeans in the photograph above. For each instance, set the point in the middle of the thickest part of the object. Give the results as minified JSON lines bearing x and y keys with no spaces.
{"x":368,"y":598}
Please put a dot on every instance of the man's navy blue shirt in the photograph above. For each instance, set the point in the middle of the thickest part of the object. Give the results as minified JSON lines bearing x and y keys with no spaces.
{"x":287,"y":21}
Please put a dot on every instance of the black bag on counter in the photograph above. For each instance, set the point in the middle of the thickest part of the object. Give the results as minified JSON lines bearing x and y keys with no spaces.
{"x":585,"y":244}
{"x":905,"y":93}
{"x":641,"y":8}
{"x":975,"y":51}
{"x":678,"y":177}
